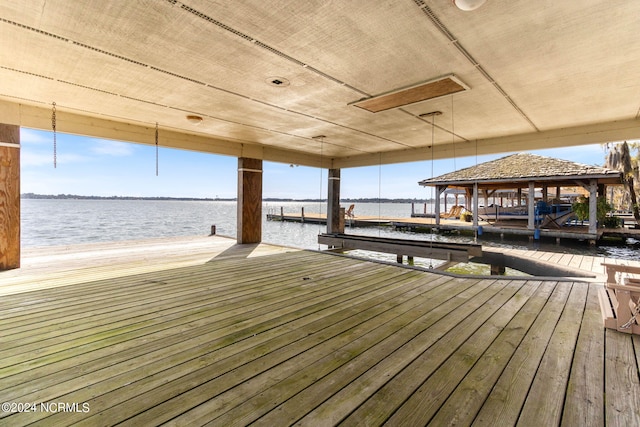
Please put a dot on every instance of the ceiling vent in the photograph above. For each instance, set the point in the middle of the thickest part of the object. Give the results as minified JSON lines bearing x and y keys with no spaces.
{"x":410,"y":95}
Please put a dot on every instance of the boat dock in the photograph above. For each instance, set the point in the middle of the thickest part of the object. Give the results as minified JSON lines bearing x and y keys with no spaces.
{"x":202,"y":331}
{"x":501,"y":228}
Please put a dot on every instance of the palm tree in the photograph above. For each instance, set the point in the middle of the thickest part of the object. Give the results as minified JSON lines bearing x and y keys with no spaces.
{"x":619,"y":158}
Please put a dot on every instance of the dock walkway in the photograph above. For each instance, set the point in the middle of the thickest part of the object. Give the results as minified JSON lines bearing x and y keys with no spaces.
{"x":205,"y":332}
{"x":512,"y":227}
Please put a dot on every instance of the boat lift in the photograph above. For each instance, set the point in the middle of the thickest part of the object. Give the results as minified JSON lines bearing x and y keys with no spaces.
{"x":450,"y":252}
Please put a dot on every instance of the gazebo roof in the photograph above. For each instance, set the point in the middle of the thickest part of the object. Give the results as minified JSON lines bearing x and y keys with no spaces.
{"x":524,"y":167}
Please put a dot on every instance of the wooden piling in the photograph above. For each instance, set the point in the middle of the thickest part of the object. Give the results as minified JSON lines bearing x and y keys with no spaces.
{"x":9,"y":197}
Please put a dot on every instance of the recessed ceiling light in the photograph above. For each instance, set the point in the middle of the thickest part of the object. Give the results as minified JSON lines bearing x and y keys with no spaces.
{"x":196,"y":120}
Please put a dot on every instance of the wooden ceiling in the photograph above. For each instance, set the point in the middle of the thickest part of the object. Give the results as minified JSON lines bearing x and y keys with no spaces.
{"x":268,"y":77}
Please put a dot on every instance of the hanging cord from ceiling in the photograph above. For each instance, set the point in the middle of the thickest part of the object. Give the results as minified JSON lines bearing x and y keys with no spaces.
{"x":380,"y":194}
{"x":55,"y":144}
{"x":433,"y":129}
{"x":157,"y":149}
{"x":476,"y":196}
{"x":321,"y":139}
{"x":453,"y":136}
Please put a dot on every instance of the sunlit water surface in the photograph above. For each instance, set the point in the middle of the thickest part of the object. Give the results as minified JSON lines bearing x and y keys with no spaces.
{"x":48,"y":222}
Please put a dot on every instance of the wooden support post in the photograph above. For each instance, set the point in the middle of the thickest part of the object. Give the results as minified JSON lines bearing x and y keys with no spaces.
{"x":519,"y":197}
{"x":333,"y":202}
{"x":476,"y":204}
{"x":445,"y":200}
{"x":439,"y":191}
{"x":531,"y":205}
{"x":9,"y":197}
{"x":249,"y":200}
{"x":593,"y":206}
{"x":497,"y":270}
{"x":399,"y":258}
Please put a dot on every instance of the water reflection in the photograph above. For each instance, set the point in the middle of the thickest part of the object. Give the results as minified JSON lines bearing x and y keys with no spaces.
{"x":62,"y":222}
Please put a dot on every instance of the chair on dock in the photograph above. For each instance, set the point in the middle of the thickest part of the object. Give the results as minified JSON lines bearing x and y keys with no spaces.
{"x":349,"y":212}
{"x":453,"y":213}
{"x":620,"y":298}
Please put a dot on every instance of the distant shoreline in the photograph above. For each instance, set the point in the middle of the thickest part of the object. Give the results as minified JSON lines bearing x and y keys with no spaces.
{"x":217,"y":199}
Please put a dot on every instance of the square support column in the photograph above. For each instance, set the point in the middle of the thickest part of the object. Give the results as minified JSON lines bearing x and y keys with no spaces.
{"x":531,"y":205}
{"x":249,"y":200}
{"x":333,"y":202}
{"x":476,"y":205}
{"x":593,"y":206}
{"x":439,"y":191}
{"x":9,"y":197}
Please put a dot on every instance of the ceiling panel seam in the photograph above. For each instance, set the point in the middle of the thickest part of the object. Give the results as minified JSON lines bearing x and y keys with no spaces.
{"x":238,"y":33}
{"x":456,"y":43}
{"x":26,"y":72}
{"x":191,"y":111}
{"x":267,"y":47}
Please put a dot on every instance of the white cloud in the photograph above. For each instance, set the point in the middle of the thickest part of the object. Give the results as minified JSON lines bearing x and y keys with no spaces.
{"x":33,"y":137}
{"x":112,"y":148}
{"x":30,"y":158}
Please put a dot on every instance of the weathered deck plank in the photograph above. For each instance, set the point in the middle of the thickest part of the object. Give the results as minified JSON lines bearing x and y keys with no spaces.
{"x":546,"y":396}
{"x":584,"y":402}
{"x":310,"y":339}
{"x":465,"y":402}
{"x":622,"y":386}
{"x":423,"y":404}
{"x":509,"y":394}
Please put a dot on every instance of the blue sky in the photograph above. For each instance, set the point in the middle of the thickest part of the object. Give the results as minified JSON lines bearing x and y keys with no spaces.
{"x":89,"y":166}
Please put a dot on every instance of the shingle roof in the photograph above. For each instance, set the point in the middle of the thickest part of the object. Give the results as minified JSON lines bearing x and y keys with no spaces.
{"x":522,"y":167}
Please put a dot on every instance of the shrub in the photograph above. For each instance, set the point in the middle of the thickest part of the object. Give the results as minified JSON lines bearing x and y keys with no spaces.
{"x":612,"y":222}
{"x":581,"y":208}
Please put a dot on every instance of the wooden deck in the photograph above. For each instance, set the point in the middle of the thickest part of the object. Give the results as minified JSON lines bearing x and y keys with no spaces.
{"x":238,"y":335}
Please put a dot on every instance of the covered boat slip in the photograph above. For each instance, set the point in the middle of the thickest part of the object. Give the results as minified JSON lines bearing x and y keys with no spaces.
{"x":262,"y":334}
{"x":522,"y":173}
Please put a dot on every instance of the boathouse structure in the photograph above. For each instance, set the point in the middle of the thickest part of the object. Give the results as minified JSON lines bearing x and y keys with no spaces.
{"x":525,"y":174}
{"x":324,"y":87}
{"x":215,"y":331}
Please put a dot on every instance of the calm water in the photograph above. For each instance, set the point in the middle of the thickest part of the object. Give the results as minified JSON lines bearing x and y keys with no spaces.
{"x":65,"y":222}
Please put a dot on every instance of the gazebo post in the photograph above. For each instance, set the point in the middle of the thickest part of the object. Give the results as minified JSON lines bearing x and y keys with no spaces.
{"x":439,"y":191}
{"x":519,"y":197}
{"x":475,"y":204}
{"x":593,"y":206}
{"x":531,"y":214}
{"x":335,"y":219}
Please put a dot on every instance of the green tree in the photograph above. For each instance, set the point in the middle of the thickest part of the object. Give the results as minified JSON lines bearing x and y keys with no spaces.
{"x":619,"y":158}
